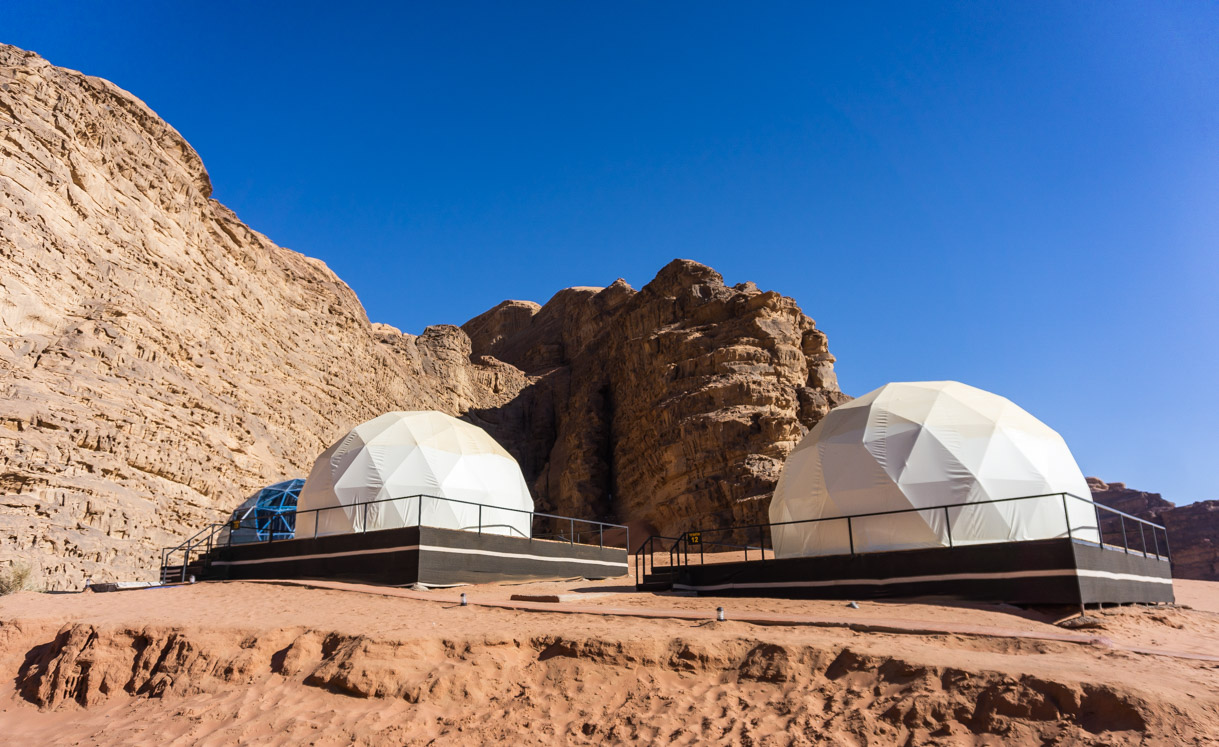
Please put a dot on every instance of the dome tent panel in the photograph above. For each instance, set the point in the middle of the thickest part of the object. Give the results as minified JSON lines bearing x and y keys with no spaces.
{"x":401,"y":455}
{"x":917,"y":445}
{"x":268,"y":514}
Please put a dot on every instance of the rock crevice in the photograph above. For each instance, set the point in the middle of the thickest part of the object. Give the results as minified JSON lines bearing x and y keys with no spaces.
{"x":674,"y":405}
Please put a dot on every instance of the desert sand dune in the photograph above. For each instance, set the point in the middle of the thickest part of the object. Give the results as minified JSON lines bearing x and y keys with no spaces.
{"x":217,"y":663}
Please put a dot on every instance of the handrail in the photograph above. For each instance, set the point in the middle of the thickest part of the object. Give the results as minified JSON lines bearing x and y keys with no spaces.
{"x":685,"y":540}
{"x":943,"y":506}
{"x":649,"y":545}
{"x":212,"y":528}
{"x":458,"y":500}
{"x":195,"y":540}
{"x":207,"y":535}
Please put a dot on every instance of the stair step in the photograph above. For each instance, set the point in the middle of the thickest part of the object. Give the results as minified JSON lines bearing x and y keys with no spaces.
{"x":173,"y":573}
{"x":654,"y":586}
{"x":660,"y":579}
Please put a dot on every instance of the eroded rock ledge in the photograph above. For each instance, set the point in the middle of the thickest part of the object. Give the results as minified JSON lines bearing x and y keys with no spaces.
{"x":506,"y":683}
{"x":672,"y":405}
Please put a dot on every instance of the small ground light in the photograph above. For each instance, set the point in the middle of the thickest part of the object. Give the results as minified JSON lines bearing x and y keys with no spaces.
{"x":719,"y":614}
{"x":463,"y":599}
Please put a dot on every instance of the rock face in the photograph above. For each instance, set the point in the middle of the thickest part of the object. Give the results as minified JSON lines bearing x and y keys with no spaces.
{"x":159,"y":360}
{"x":1193,"y":530}
{"x":673,"y":405}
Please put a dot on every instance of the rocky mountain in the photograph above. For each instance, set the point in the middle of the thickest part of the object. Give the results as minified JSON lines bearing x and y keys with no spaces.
{"x":159,"y":360}
{"x":674,"y":405}
{"x":1193,"y":529}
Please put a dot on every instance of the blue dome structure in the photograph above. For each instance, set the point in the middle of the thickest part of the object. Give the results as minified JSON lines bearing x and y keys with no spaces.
{"x":269,"y":514}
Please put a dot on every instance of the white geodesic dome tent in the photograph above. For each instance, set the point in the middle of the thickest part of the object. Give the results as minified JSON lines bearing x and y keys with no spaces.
{"x":400,"y":455}
{"x":923,"y":444}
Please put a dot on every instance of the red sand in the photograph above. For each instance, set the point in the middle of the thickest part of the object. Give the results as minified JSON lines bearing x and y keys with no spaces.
{"x":285,"y":663}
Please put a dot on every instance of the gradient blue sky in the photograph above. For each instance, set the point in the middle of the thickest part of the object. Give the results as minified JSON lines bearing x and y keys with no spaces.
{"x":1021,"y":196}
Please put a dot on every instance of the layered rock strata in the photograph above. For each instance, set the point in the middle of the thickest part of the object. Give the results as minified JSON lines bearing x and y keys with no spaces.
{"x":159,"y":360}
{"x":674,"y":405}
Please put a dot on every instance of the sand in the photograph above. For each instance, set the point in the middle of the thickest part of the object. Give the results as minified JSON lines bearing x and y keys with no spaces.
{"x":325,"y":663}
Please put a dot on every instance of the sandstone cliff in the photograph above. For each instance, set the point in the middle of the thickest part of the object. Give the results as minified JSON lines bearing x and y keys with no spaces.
{"x":1193,"y":530}
{"x":674,"y":405}
{"x":159,"y":360}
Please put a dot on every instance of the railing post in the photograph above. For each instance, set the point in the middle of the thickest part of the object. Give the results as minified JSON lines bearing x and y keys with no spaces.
{"x":601,"y":536}
{"x":1125,"y":545}
{"x":1100,"y":537}
{"x":1066,"y":512}
{"x":364,"y":518}
{"x":185,"y":561}
{"x":1167,"y":549}
{"x":1143,"y":539}
{"x":850,"y":535}
{"x":948,"y":526}
{"x":1155,"y":538}
{"x":480,"y":518}
{"x":571,"y":540}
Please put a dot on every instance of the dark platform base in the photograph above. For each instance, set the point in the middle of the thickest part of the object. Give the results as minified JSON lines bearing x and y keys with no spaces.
{"x":1055,"y":571}
{"x":410,"y":555}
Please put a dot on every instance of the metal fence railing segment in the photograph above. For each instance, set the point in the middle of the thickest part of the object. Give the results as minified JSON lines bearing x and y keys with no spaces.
{"x":564,"y":528}
{"x":1151,"y":538}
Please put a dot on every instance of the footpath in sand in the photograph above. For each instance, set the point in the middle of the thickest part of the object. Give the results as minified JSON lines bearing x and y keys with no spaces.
{"x":330,"y":663}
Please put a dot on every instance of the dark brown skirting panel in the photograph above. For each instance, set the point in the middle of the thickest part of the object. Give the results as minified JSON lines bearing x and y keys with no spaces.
{"x":1056,"y":571}
{"x":1097,"y":568}
{"x":411,"y":555}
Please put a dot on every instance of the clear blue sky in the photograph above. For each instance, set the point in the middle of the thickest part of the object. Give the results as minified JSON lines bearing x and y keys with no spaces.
{"x":1021,"y":196}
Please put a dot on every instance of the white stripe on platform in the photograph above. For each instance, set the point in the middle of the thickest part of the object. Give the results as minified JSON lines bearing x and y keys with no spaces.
{"x":1057,"y":572}
{"x":429,"y":548}
{"x":1124,"y":576}
{"x":460,"y":551}
{"x":316,"y":555}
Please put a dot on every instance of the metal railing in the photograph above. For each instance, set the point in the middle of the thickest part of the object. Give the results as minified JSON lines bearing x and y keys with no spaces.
{"x":646,"y":554}
{"x":578,"y":531}
{"x":1152,"y":539}
{"x":201,"y":543}
{"x":561,"y":528}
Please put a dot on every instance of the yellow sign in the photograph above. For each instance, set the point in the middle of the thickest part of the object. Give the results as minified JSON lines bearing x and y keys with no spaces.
{"x":694,"y":538}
